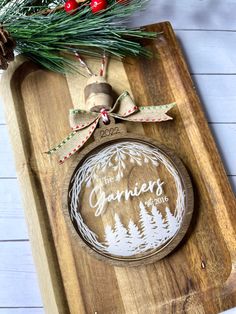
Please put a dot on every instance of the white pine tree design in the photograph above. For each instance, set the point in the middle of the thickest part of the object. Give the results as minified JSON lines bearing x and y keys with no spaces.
{"x":136,"y":239}
{"x":154,"y":231}
{"x":172,"y":223}
{"x":122,"y":237}
{"x":147,"y":226}
{"x":110,"y":240}
{"x":160,"y":231}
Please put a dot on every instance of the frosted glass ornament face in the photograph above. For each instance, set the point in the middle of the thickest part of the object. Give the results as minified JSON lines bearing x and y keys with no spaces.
{"x":126,"y":199}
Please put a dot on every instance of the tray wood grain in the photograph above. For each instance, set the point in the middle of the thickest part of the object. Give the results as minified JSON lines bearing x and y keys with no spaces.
{"x":200,"y":275}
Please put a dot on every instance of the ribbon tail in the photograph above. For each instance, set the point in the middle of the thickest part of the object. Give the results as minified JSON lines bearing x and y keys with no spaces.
{"x":73,"y":142}
{"x":151,"y":114}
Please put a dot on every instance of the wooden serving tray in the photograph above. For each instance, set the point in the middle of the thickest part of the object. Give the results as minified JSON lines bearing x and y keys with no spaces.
{"x":200,"y":275}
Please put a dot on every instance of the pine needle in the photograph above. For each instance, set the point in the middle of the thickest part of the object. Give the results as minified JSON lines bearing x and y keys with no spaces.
{"x":48,"y":39}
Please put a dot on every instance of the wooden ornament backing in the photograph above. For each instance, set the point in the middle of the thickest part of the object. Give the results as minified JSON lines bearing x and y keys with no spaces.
{"x":177,"y":163}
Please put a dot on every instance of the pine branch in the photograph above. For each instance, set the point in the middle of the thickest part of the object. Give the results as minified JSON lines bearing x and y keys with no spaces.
{"x":48,"y":40}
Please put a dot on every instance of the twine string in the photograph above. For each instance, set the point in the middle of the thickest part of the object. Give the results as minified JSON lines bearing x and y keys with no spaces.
{"x":83,"y":64}
{"x":103,"y":69}
{"x":105,"y":116}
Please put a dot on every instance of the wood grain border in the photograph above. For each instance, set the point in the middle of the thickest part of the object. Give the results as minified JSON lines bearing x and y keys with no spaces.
{"x":187,"y":185}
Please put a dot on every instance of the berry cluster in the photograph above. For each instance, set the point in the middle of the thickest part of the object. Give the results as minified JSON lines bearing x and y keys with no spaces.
{"x":96,"y":5}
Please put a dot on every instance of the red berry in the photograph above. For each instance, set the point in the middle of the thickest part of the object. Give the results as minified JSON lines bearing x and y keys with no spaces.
{"x":71,"y":5}
{"x":98,"y":5}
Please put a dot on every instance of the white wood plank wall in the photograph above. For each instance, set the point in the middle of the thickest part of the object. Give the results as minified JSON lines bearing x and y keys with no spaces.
{"x":207,"y":32}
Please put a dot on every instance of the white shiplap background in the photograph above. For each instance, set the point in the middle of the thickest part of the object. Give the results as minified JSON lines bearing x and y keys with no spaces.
{"x":207,"y":32}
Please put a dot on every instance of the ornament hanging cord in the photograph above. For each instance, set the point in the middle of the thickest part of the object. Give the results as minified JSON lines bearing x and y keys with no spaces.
{"x":104,"y":63}
{"x":83,"y":63}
